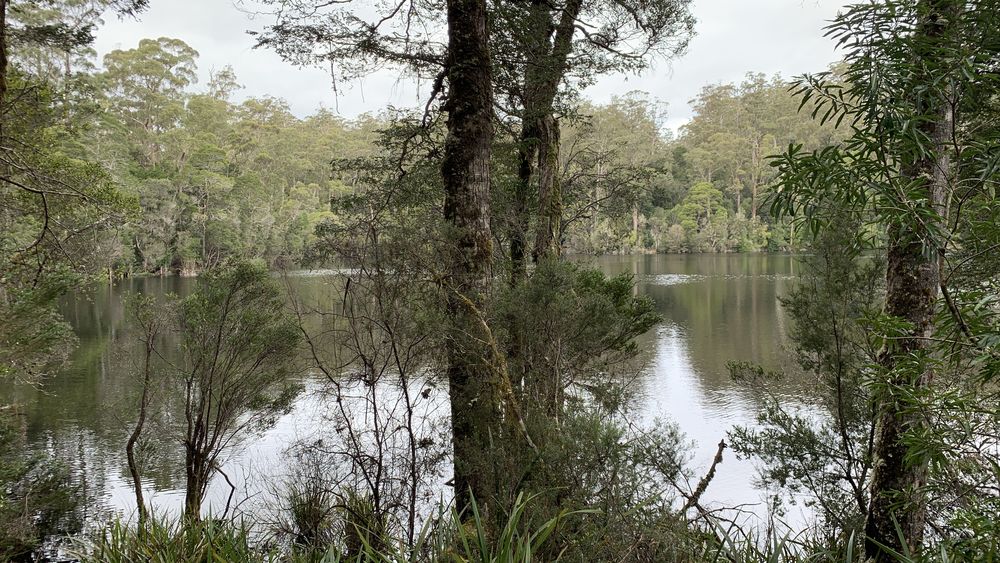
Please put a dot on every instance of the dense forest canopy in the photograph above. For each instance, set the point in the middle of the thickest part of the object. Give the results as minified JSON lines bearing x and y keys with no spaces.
{"x":479,"y":386}
{"x":216,"y":179}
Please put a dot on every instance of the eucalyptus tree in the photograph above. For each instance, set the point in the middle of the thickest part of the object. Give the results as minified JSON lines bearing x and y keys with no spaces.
{"x":49,"y":39}
{"x":146,"y":86}
{"x":144,"y":89}
{"x":614,"y":168}
{"x":917,"y":75}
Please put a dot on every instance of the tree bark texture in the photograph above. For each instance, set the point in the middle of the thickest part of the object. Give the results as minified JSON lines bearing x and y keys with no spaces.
{"x":897,"y":505}
{"x":196,"y":483}
{"x":3,"y":64}
{"x":465,"y":170}
{"x":546,"y":45}
{"x":549,"y":191}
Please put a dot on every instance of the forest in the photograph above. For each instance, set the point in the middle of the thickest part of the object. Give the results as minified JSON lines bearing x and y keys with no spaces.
{"x":509,"y":323}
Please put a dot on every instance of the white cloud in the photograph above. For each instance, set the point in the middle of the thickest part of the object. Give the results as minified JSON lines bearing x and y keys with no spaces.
{"x":735,"y":37}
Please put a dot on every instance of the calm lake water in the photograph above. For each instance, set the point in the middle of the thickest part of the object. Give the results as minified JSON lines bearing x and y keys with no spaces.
{"x":716,"y":308}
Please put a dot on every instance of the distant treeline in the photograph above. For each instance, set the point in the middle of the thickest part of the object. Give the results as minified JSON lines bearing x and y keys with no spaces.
{"x":212,"y":179}
{"x":706,"y":189}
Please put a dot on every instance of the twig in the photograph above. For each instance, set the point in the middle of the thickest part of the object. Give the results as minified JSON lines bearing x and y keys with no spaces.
{"x":703,"y":484}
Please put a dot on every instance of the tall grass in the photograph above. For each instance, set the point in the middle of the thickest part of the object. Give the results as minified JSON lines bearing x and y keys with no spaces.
{"x":454,"y":537}
{"x":163,"y":540}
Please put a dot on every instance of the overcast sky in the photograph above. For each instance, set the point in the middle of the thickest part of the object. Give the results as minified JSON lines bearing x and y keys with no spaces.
{"x":733,"y":37}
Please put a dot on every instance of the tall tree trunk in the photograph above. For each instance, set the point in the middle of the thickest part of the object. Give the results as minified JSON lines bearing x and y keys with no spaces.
{"x":465,"y":171}
{"x":549,"y":43}
{"x":3,"y":64}
{"x":897,"y":509}
{"x":536,"y":49}
{"x":549,"y":191}
{"x":755,"y":175}
{"x":521,"y":211}
{"x":5,"y":219}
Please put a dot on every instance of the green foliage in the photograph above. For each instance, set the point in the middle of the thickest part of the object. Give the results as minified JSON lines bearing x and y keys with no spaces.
{"x":215,"y":179}
{"x":197,"y":180}
{"x":237,"y":344}
{"x":827,"y":456}
{"x":34,"y":336}
{"x":628,"y":186}
{"x":38,"y":498}
{"x":164,"y":540}
{"x":580,"y":309}
{"x":703,"y":217}
{"x":308,"y":502}
{"x":196,"y":177}
{"x":237,"y":311}
{"x":589,"y":322}
{"x":56,"y":211}
{"x":872,"y":169}
{"x":227,"y":350}
{"x":621,"y":478}
{"x":451,"y":537}
{"x":574,"y":388}
{"x":911,"y":95}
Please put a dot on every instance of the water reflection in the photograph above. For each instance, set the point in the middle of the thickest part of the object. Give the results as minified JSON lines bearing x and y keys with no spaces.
{"x":716,"y":308}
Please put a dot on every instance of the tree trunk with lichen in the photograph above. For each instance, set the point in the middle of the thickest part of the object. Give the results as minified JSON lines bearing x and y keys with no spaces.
{"x":3,"y":64}
{"x":547,"y":47}
{"x":465,"y":171}
{"x":897,"y":509}
{"x":549,"y":192}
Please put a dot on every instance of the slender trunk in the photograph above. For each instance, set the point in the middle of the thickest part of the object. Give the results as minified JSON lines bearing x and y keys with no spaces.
{"x":755,"y":177}
{"x":3,"y":64}
{"x":897,"y":508}
{"x":133,"y":466}
{"x":536,"y":49}
{"x":194,"y":486}
{"x":521,"y":207}
{"x":635,"y":226}
{"x":6,"y":217}
{"x":465,"y":171}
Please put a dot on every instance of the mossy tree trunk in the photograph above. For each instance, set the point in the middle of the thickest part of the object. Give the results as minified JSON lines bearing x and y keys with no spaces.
{"x":547,"y":45}
{"x":465,"y":170}
{"x":897,"y":509}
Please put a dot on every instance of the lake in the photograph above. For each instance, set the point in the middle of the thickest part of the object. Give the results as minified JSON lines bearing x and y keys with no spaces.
{"x":716,"y":308}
